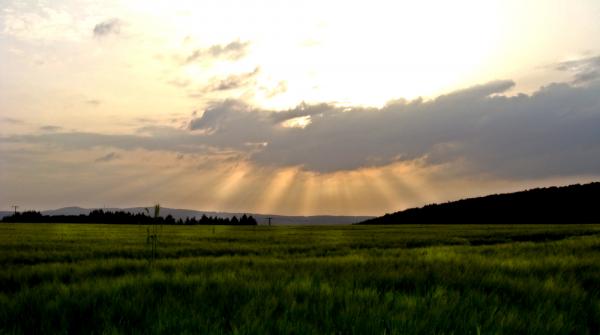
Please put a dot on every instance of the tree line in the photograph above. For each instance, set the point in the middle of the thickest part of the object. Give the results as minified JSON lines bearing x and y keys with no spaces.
{"x":121,"y":217}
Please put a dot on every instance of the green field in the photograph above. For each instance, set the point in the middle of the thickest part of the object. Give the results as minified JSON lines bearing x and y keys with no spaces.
{"x":435,"y":279}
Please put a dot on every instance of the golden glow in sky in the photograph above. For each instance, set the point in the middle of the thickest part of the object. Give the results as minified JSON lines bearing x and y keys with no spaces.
{"x":115,"y":95}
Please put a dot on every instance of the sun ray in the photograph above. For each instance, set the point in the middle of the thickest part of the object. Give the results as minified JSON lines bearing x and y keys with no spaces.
{"x":401,"y":181}
{"x":232,"y":182}
{"x":389,"y":195}
{"x":275,"y":192}
{"x":306,"y":204}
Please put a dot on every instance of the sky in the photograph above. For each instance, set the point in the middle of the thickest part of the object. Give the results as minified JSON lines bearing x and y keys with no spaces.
{"x":294,"y":107}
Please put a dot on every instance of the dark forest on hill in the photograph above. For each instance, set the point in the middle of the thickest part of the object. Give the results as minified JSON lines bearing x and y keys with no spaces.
{"x":566,"y":204}
{"x":120,"y":217}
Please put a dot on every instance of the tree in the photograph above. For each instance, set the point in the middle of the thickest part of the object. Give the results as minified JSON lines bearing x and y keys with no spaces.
{"x":169,"y":220}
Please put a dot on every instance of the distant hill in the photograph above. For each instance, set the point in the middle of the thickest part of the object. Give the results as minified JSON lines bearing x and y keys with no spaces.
{"x":183,"y":213}
{"x":567,"y":204}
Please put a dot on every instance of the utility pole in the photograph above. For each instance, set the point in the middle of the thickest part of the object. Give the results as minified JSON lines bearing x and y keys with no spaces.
{"x":15,"y":207}
{"x":269,"y":221}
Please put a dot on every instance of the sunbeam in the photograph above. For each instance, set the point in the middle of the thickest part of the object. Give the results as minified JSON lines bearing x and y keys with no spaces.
{"x":275,"y":191}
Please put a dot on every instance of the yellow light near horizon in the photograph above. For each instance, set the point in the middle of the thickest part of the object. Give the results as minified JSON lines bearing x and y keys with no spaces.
{"x":348,"y":53}
{"x":233,"y":180}
{"x":275,"y":192}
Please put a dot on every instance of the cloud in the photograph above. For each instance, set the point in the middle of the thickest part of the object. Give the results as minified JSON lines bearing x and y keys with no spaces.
{"x":50,"y":128}
{"x":478,"y":92}
{"x":12,"y":120}
{"x":93,"y":102}
{"x":39,"y":22}
{"x":179,"y":82}
{"x":584,"y":70}
{"x":232,"y":51}
{"x":229,"y":117}
{"x":172,"y":140}
{"x":279,"y":89}
{"x":231,"y":82}
{"x":108,"y":27}
{"x":552,"y":132}
{"x":302,"y":110}
{"x":235,"y":81}
{"x":111,"y":156}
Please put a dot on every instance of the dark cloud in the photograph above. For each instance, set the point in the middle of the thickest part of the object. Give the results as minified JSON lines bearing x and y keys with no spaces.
{"x":584,"y":70}
{"x":227,"y":117}
{"x":233,"y":51}
{"x":108,"y":27}
{"x":108,"y":157}
{"x":553,"y":132}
